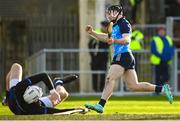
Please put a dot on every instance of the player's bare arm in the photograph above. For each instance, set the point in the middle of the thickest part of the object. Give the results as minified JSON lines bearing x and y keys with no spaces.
{"x":98,"y":36}
{"x":123,"y":41}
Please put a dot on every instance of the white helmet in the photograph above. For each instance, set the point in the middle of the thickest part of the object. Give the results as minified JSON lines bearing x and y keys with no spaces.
{"x":32,"y":94}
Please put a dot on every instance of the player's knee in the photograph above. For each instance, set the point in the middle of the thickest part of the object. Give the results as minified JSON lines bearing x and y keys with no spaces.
{"x":109,"y":79}
{"x":16,"y":67}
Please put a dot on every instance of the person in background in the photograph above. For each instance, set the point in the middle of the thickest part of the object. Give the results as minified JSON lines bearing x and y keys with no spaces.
{"x":135,"y":5}
{"x":136,"y":39}
{"x":162,"y":52}
{"x":136,"y":44}
{"x":99,"y":59}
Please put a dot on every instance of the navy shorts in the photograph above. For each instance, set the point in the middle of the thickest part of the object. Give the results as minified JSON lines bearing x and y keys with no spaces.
{"x":126,"y":60}
{"x":12,"y":103}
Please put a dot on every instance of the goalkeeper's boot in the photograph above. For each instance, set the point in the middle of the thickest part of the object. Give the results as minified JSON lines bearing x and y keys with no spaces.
{"x":65,"y":80}
{"x":96,"y":107}
{"x":167,"y":91}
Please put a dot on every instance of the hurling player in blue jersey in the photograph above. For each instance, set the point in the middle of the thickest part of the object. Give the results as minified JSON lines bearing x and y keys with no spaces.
{"x":123,"y":62}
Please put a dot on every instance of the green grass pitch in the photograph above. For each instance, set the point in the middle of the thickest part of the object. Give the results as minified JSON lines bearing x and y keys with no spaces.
{"x":126,"y":107}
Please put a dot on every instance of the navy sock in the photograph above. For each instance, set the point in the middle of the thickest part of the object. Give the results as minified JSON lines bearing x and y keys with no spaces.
{"x":102,"y":102}
{"x":158,"y":89}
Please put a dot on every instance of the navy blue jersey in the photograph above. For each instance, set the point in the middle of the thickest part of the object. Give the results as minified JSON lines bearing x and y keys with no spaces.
{"x":120,"y":27}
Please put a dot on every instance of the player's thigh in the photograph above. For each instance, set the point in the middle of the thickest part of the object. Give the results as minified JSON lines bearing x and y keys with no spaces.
{"x":16,"y":71}
{"x":130,"y":77}
{"x":115,"y":72}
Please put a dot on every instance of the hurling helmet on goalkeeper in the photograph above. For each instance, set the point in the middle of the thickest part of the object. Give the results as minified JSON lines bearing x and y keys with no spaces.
{"x":32,"y":94}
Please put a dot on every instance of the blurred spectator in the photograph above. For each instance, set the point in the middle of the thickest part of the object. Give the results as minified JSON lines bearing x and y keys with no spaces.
{"x":136,"y":43}
{"x":99,"y":59}
{"x":134,"y":4}
{"x":162,"y":52}
{"x":136,"y":39}
{"x":175,"y":8}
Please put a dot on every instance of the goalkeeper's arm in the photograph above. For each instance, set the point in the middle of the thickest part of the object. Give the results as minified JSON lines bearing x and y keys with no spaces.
{"x":21,"y":87}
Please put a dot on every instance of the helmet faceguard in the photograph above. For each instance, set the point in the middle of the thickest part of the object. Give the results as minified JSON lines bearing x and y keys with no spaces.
{"x":32,"y":94}
{"x":114,"y":8}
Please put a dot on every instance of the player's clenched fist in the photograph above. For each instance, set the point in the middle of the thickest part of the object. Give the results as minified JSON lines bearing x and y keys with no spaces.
{"x":89,"y":29}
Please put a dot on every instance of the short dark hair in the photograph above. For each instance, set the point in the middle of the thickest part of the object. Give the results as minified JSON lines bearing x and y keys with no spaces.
{"x":118,"y":8}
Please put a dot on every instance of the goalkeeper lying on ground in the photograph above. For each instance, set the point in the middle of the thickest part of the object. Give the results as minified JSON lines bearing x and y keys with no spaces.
{"x":24,"y":98}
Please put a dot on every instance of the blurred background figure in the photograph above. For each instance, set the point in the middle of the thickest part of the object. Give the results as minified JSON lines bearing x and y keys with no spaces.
{"x":99,"y":59}
{"x":174,"y":8}
{"x":134,"y":4}
{"x":136,"y":39}
{"x":136,"y":43}
{"x":162,"y":52}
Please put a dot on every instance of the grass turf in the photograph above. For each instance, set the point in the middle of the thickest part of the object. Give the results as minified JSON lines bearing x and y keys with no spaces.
{"x":126,"y":107}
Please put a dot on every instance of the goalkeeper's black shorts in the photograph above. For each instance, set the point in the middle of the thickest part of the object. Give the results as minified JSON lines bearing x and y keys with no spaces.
{"x":12,"y":101}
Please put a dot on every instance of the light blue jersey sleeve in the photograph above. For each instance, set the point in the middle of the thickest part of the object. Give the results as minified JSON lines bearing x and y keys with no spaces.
{"x":120,"y":27}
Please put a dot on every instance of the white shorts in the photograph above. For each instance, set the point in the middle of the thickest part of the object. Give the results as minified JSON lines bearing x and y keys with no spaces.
{"x":13,"y":83}
{"x":46,"y":101}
